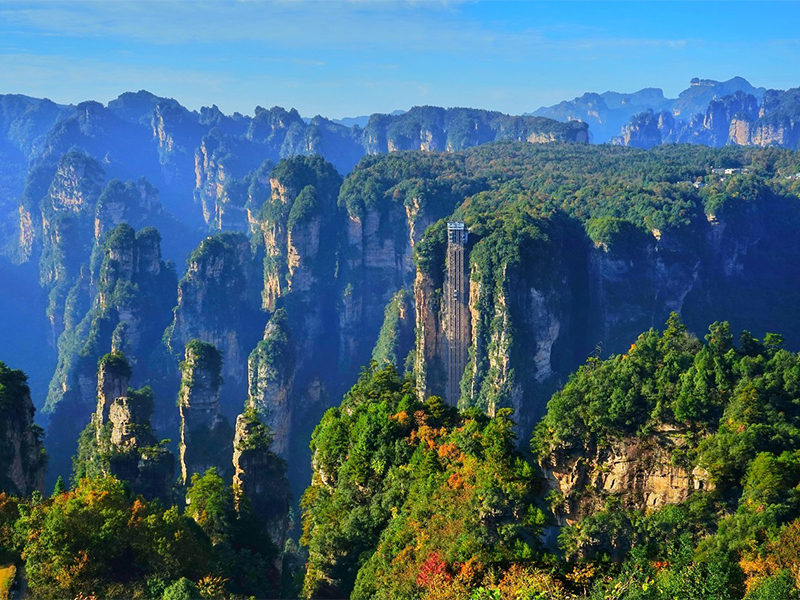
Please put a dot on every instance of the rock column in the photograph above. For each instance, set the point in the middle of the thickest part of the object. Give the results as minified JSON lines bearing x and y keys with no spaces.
{"x":259,"y":479}
{"x":205,"y":435}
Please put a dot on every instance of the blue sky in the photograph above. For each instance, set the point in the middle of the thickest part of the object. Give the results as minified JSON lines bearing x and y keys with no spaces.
{"x":358,"y":57}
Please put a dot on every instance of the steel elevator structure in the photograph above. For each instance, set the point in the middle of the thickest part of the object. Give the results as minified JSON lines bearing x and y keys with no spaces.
{"x":456,"y":290}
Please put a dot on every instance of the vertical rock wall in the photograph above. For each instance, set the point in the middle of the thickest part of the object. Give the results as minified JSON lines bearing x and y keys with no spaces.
{"x":206,"y":437}
{"x":259,"y":479}
{"x":22,"y":453}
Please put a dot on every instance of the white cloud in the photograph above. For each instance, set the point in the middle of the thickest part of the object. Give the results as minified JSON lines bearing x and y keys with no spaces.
{"x":389,"y":25}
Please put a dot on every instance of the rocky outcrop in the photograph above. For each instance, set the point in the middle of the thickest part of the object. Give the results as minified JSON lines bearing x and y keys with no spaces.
{"x":299,"y":227}
{"x":123,"y":304}
{"x":606,"y":113}
{"x":643,"y":130}
{"x":293,"y":367}
{"x":778,"y":121}
{"x":176,"y":134}
{"x":134,"y":203}
{"x":617,"y":117}
{"x":640,"y":472}
{"x":206,"y":436}
{"x":122,"y":442}
{"x":721,"y":114}
{"x":271,"y":375}
{"x":65,"y":215}
{"x":431,"y":128}
{"x":113,"y":377}
{"x":134,"y":455}
{"x":259,"y":480}
{"x":66,"y":218}
{"x":21,"y":449}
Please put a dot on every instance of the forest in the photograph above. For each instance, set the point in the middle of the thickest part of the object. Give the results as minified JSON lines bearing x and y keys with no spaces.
{"x":418,"y":499}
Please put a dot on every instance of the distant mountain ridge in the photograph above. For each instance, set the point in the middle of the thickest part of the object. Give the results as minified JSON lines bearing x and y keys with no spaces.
{"x":609,"y":112}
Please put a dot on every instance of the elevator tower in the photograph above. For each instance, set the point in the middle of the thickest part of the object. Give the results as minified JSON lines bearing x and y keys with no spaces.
{"x":457,"y":307}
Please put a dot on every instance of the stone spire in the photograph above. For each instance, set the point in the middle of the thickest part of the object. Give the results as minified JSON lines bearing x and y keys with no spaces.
{"x":128,"y":449}
{"x":113,"y":377}
{"x":259,"y":479}
{"x":206,"y":437}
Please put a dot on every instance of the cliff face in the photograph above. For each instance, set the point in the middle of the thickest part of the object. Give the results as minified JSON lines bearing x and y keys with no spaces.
{"x":206,"y":436}
{"x":778,"y":121}
{"x":259,"y":479}
{"x":397,"y":335}
{"x":635,"y":287}
{"x":224,"y":162}
{"x":521,"y":311}
{"x":22,"y":121}
{"x":296,"y":221}
{"x":66,"y":219}
{"x":271,"y":375}
{"x":387,"y":215}
{"x":431,"y":128}
{"x":618,"y":117}
{"x":176,"y":134}
{"x":113,"y":377}
{"x":537,"y":314}
{"x":641,"y":473}
{"x":430,"y":363}
{"x":23,"y":455}
{"x":136,"y":204}
{"x":223,"y":166}
{"x":721,"y":114}
{"x":378,"y":259}
{"x":203,"y":161}
{"x":643,"y":130}
{"x":123,"y":303}
{"x":65,"y":214}
{"x":218,"y":303}
{"x":293,"y":368}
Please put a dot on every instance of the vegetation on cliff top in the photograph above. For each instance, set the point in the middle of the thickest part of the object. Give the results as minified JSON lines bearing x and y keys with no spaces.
{"x":419,"y":500}
{"x":403,"y":490}
{"x":201,"y":357}
{"x":416,"y":500}
{"x":738,"y":399}
{"x":735,"y":406}
{"x":273,"y":357}
{"x":129,"y":295}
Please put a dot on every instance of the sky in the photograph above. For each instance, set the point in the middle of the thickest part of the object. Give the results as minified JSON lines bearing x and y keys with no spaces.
{"x":363,"y":56}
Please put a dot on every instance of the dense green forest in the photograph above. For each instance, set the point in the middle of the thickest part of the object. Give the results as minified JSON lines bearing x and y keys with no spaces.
{"x":98,"y":540}
{"x":415,"y":499}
